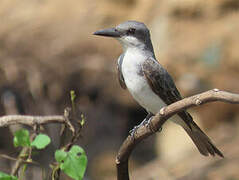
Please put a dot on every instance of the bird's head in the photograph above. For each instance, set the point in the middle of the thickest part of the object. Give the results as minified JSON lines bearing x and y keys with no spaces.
{"x":129,"y":33}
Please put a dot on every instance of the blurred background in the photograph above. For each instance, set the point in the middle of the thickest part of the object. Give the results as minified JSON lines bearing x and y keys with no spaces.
{"x":47,"y":49}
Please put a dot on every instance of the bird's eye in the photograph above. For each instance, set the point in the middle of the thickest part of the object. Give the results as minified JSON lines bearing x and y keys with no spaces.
{"x":131,"y":31}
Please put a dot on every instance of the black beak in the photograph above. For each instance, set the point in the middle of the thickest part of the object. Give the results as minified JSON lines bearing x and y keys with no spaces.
{"x":111,"y":32}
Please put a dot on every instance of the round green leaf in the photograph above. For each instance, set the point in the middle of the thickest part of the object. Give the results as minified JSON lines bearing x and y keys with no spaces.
{"x":41,"y":141}
{"x":21,"y":138}
{"x":60,"y":155}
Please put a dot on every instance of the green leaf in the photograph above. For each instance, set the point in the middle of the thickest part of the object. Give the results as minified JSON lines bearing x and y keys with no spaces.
{"x":60,"y":155}
{"x":4,"y":176}
{"x":21,"y":138}
{"x":73,"y":163}
{"x":41,"y":141}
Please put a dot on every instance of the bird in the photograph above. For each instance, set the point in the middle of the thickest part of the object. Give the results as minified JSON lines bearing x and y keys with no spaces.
{"x":148,"y":81}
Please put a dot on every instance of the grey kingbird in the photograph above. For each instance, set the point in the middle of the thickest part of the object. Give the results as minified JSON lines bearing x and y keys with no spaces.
{"x":148,"y":82}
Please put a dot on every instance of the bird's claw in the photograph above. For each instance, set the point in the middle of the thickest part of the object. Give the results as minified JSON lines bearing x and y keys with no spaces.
{"x":132,"y":132}
{"x":145,"y":122}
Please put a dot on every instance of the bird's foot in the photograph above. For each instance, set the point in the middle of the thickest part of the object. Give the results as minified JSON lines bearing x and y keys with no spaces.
{"x":145,"y":122}
{"x":132,"y":132}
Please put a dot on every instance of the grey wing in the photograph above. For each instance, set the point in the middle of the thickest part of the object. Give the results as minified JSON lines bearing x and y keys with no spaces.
{"x":162,"y":84}
{"x":160,"y":81}
{"x":120,"y":75}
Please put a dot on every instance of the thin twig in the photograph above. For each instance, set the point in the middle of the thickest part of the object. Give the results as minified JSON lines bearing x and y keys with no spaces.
{"x":15,"y":159}
{"x":159,"y":119}
{"x":71,"y":119}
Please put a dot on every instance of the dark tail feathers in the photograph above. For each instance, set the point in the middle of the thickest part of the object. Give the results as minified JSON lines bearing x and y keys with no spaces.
{"x":200,"y":139}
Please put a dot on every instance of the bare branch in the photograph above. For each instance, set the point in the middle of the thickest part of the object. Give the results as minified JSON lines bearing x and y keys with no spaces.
{"x":159,"y":119}
{"x":30,"y":120}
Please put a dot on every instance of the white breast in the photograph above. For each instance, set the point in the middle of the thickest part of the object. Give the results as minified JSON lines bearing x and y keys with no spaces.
{"x":137,"y":84}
